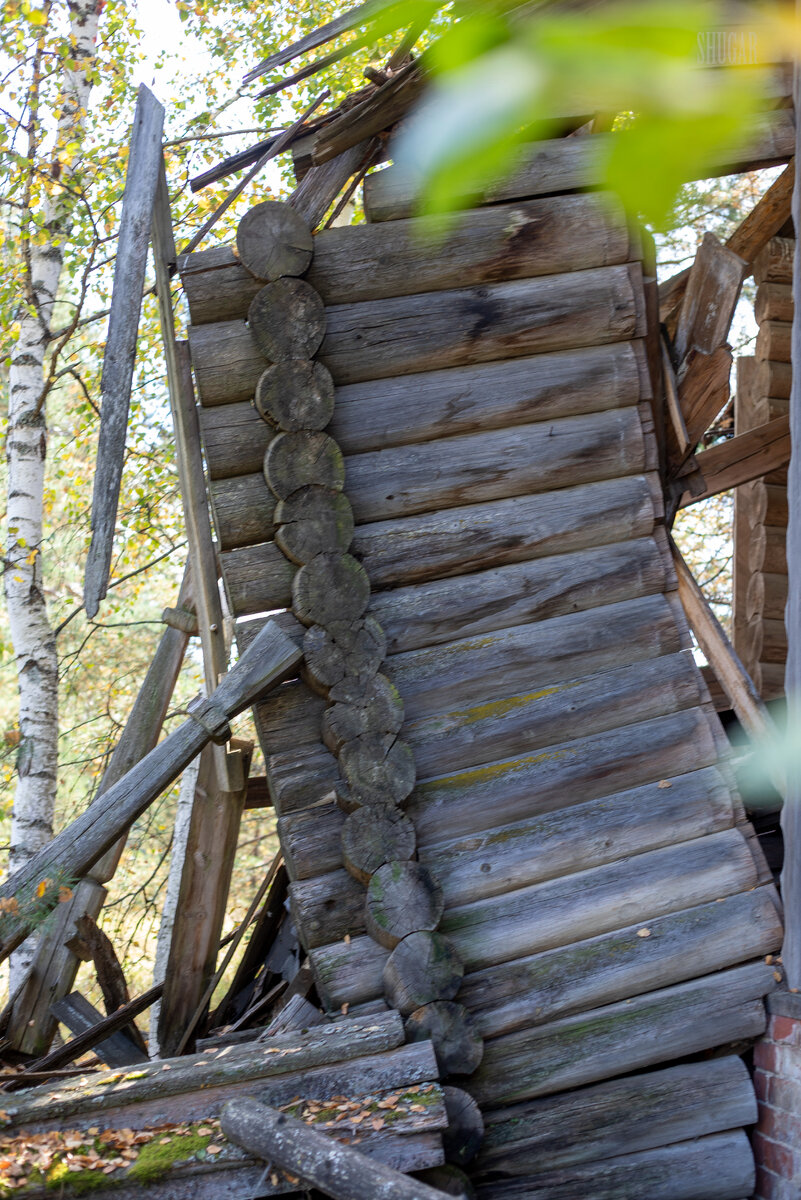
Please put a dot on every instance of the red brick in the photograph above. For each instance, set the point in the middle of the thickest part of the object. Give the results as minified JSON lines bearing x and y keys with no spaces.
{"x":786,"y":1128}
{"x":784,"y":1029}
{"x":766,"y":1056}
{"x":762,"y":1085}
{"x":764,"y":1184}
{"x":773,"y":1156}
{"x":785,"y":1094}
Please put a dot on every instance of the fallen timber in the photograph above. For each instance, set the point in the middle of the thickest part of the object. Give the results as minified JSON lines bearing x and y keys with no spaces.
{"x":564,"y":781}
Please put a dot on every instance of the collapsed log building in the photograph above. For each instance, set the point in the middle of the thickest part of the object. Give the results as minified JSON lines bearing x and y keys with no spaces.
{"x":536,"y":922}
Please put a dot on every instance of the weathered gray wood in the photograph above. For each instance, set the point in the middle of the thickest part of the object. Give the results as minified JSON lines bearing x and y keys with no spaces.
{"x":332,"y":587}
{"x":579,"y":837}
{"x":235,"y":439}
{"x":141,"y":179}
{"x":614,"y":966}
{"x":398,"y":336}
{"x":453,"y":1032}
{"x":492,"y":465}
{"x":287,"y":320}
{"x":506,"y":663}
{"x":290,"y":717}
{"x":314,"y":841}
{"x":570,"y":164}
{"x":343,"y":655}
{"x":720,"y":1167}
{"x":321,"y":184}
{"x":242,"y":509}
{"x":295,"y":460}
{"x":227,"y":362}
{"x":465,"y":1131}
{"x":774,"y":302}
{"x":374,"y":708}
{"x":296,"y":394}
{"x":422,"y":968}
{"x":432,"y":613}
{"x":92,"y":944}
{"x":462,"y":540}
{"x":621,"y":1116}
{"x":655,"y":1028}
{"x":313,"y":520}
{"x":774,"y":263}
{"x":271,"y":657}
{"x":372,"y":837}
{"x":273,"y":240}
{"x":449,"y":1179}
{"x":711,"y":295}
{"x":300,"y":779}
{"x":79,"y":1015}
{"x":338,"y":1170}
{"x":378,"y":769}
{"x":402,"y":898}
{"x":474,"y":734}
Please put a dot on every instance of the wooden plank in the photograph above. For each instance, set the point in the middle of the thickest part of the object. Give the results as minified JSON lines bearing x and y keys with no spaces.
{"x":720,"y":1167}
{"x":615,"y":966}
{"x":659,"y":1027}
{"x":270,"y":659}
{"x":144,"y":164}
{"x":343,"y":23}
{"x":361,"y":262}
{"x":79,"y":1016}
{"x":320,"y":185}
{"x":617,"y":1117}
{"x":703,"y":390}
{"x":742,"y":458}
{"x":573,"y":164}
{"x":710,"y":297}
{"x":260,"y":943}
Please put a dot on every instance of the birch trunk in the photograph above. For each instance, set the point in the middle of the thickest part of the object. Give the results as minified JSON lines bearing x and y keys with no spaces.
{"x":33,"y":639}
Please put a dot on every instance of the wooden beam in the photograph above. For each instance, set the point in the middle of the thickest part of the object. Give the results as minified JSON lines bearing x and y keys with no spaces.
{"x":710,"y":297}
{"x":116,"y":1049}
{"x":118,"y":361}
{"x":741,"y":459}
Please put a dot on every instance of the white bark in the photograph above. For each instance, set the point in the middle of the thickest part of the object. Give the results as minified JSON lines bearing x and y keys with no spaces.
{"x":26,"y":446}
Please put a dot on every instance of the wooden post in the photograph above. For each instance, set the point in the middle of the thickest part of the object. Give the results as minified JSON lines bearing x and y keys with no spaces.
{"x":791,"y":812}
{"x":118,"y":361}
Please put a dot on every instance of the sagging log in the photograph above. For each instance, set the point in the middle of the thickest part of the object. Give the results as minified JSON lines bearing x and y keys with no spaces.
{"x":338,"y":1170}
{"x":459,"y":541}
{"x":270,"y":659}
{"x":620,"y":1116}
{"x":362,"y":262}
{"x":620,"y":1038}
{"x":615,"y":966}
{"x":766,"y":596}
{"x":774,"y":302}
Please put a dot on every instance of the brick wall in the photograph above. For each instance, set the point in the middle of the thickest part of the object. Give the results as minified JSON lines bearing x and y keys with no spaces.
{"x":777,"y":1078}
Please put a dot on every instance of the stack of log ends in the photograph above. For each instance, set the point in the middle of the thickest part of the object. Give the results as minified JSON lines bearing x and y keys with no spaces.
{"x":453,"y":1032}
{"x":462,"y":1139}
{"x":375,"y":708}
{"x":313,"y":520}
{"x":303,"y":457}
{"x":342,"y":657}
{"x":296,"y":394}
{"x":422,"y":968}
{"x":402,"y":898}
{"x":378,"y":769}
{"x":449,"y":1180}
{"x":330,"y":588}
{"x":273,"y":240}
{"x":287,"y":320}
{"x":372,"y":837}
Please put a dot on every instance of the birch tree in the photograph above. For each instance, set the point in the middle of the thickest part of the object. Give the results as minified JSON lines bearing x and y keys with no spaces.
{"x":44,"y":217}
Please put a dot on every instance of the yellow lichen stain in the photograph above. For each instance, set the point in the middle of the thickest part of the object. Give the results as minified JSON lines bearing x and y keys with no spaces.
{"x":491,"y":771}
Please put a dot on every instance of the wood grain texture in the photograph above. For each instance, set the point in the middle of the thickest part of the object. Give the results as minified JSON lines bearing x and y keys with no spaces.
{"x":402,"y":898}
{"x":773,"y":341}
{"x":287,"y":320}
{"x":313,"y":520}
{"x":767,"y":550}
{"x":296,"y":394}
{"x":710,"y":297}
{"x":774,"y":302}
{"x":242,"y":509}
{"x":300,"y":458}
{"x":273,"y":240}
{"x":774,"y":263}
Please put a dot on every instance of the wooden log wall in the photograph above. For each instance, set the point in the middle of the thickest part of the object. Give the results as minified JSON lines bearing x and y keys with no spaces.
{"x":454,"y":494}
{"x":760,"y":563}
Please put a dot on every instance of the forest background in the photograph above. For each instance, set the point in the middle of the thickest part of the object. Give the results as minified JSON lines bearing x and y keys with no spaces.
{"x":193,"y":54}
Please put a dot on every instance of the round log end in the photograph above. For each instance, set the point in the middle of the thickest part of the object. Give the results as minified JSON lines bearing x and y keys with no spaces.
{"x":458,"y":1045}
{"x":344,"y":656}
{"x":402,"y":897}
{"x":448,"y":1179}
{"x":296,"y":394}
{"x":299,"y":459}
{"x":462,"y":1139}
{"x":372,"y":837}
{"x":330,"y":588}
{"x":287,"y":320}
{"x":375,"y":708}
{"x":422,"y":968}
{"x":313,"y":520}
{"x":378,"y":769}
{"x":273,"y":240}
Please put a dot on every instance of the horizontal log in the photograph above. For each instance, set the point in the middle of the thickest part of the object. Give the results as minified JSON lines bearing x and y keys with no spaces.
{"x":301,"y":778}
{"x":460,"y":540}
{"x":773,"y":379}
{"x":395,"y":412}
{"x":617,"y":965}
{"x":226,"y":360}
{"x":361,"y":262}
{"x":621,"y":1116}
{"x":496,"y":464}
{"x":774,"y":263}
{"x":429,"y":614}
{"x":399,"y":336}
{"x":572,"y":772}
{"x":292,"y":717}
{"x":767,"y":408}
{"x":242,"y":509}
{"x":769,"y":680}
{"x":742,"y":459}
{"x":720,"y":1167}
{"x":773,"y":341}
{"x":659,"y":1027}
{"x":471,"y":736}
{"x":766,"y":596}
{"x":766,"y":641}
{"x":774,"y":302}
{"x":767,"y":504}
{"x":572,"y":164}
{"x":498,"y":665}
